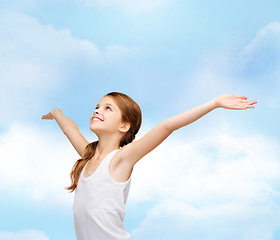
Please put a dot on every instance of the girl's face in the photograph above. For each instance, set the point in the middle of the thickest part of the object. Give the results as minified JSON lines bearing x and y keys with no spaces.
{"x":106,"y":117}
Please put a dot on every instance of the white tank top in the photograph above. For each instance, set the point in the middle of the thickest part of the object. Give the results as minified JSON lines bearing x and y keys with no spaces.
{"x":99,"y":205}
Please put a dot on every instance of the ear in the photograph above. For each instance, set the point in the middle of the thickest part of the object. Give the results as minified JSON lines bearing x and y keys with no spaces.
{"x":124,"y":127}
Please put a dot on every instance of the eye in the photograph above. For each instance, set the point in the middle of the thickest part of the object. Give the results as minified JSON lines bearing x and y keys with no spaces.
{"x":108,"y":107}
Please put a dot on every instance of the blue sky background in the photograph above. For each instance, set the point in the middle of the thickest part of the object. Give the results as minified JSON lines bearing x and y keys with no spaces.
{"x":217,"y":178}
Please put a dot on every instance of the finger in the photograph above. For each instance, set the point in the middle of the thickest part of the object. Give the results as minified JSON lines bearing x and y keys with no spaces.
{"x":250,"y":106}
{"x":242,"y":107}
{"x":252,"y":102}
{"x":248,"y":101}
{"x":242,"y":97}
{"x":245,"y":104}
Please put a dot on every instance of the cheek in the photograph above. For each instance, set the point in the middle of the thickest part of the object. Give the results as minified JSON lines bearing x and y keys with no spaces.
{"x":116,"y":120}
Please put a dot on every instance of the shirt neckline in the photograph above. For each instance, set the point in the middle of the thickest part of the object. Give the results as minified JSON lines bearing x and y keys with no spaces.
{"x":90,"y":176}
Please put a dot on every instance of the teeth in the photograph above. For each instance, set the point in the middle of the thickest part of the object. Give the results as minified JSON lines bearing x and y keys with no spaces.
{"x":96,"y":119}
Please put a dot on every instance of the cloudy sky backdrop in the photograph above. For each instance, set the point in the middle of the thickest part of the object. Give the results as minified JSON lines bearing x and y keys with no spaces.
{"x":216,"y":179}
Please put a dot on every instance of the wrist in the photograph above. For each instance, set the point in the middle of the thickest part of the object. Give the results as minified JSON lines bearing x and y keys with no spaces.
{"x":56,"y":111}
{"x":216,"y":103}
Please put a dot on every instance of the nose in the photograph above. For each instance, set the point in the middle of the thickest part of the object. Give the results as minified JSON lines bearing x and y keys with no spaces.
{"x":96,"y":111}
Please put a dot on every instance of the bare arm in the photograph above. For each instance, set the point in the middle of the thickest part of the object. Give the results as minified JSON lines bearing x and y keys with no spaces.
{"x":62,"y":121}
{"x":69,"y":128}
{"x":189,"y":116}
{"x":134,"y":151}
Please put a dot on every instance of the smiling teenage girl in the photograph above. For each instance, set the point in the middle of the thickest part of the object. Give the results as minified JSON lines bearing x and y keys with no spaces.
{"x":101,"y":178}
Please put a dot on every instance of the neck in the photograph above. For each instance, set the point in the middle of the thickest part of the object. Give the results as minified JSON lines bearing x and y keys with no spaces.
{"x":106,"y":144}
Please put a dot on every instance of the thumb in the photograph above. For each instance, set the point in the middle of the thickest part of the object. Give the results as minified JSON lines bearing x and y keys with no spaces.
{"x":242,"y":97}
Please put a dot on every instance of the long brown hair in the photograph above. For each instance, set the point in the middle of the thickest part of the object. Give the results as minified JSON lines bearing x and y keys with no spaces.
{"x":131,"y":113}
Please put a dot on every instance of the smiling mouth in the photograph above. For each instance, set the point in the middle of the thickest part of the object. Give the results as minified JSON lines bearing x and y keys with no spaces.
{"x":97,"y":118}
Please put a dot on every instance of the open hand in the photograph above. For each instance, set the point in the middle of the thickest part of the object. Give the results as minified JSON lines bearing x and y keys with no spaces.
{"x":51,"y":114}
{"x":231,"y":101}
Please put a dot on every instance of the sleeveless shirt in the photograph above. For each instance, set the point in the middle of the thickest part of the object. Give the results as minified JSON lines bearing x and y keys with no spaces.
{"x":99,"y":205}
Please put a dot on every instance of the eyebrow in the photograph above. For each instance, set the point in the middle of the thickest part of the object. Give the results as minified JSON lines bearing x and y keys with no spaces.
{"x":105,"y":104}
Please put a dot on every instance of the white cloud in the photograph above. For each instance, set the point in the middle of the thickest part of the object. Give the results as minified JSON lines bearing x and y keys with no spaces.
{"x":217,"y":168}
{"x":265,"y":42}
{"x":25,"y":38}
{"x":218,"y":186}
{"x":260,"y":59}
{"x":36,"y":60}
{"x":179,"y":220}
{"x":23,"y":235}
{"x":132,"y":6}
{"x":36,"y":163}
{"x":253,"y":72}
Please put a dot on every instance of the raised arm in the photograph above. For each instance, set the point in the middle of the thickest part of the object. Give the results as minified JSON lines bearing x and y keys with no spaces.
{"x":69,"y":128}
{"x":134,"y":151}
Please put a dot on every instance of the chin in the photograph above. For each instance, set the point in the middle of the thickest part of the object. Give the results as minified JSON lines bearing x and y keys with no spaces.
{"x":95,"y":130}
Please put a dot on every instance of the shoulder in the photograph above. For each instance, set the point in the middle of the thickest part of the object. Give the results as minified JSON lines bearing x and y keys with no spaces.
{"x":120,"y":155}
{"x":126,"y":155}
